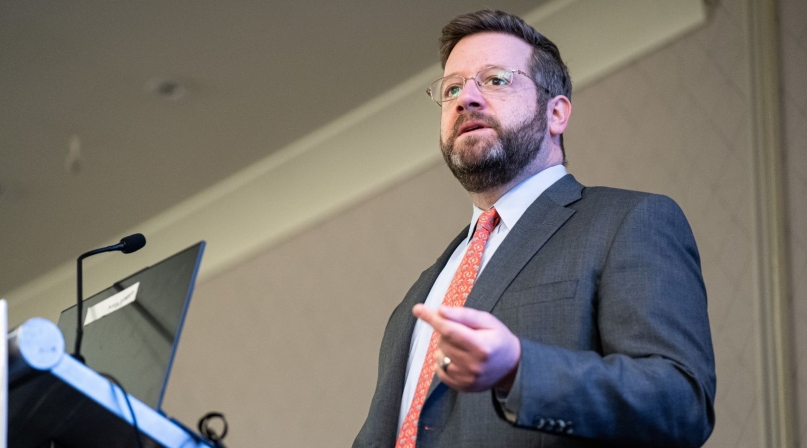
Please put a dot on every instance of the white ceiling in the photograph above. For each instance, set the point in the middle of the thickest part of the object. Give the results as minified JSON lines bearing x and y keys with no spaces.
{"x":257,"y":76}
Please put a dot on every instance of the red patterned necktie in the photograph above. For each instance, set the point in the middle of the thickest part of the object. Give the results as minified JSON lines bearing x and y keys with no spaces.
{"x":457,"y":292}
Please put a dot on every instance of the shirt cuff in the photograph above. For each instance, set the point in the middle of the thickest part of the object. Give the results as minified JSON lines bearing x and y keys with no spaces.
{"x":511,"y":402}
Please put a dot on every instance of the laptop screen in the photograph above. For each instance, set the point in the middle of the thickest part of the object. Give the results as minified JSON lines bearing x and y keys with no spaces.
{"x":131,"y":329}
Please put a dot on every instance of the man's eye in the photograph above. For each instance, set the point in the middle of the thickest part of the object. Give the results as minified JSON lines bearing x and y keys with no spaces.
{"x":495,"y":81}
{"x":452,"y":91}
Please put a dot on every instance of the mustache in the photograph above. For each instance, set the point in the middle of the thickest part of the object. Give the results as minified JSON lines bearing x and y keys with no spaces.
{"x":474,"y":116}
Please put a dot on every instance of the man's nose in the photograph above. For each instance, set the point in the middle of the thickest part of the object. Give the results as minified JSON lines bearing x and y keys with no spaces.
{"x":471,"y":97}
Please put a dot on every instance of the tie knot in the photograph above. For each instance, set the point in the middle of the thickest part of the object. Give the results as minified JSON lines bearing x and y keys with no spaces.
{"x":488,"y":220}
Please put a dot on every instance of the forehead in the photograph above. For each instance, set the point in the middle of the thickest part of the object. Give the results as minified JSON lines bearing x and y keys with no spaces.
{"x":474,"y":52}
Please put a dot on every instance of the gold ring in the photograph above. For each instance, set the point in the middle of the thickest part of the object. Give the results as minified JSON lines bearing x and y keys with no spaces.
{"x":444,"y":364}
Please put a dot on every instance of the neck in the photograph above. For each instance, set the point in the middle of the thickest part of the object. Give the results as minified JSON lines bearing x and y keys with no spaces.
{"x":485,"y":199}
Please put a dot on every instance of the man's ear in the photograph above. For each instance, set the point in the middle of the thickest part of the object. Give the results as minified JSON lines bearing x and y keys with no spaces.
{"x":559,"y":110}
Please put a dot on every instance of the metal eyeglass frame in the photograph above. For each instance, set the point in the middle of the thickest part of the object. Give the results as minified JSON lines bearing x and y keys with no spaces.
{"x":479,"y":84}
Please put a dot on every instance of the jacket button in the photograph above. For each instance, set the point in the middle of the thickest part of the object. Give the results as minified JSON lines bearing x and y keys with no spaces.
{"x":539,"y":423}
{"x":550,"y":423}
{"x":561,"y":425}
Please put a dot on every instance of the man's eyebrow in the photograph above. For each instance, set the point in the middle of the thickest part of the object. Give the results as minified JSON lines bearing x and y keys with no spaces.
{"x":504,"y":67}
{"x":446,"y":75}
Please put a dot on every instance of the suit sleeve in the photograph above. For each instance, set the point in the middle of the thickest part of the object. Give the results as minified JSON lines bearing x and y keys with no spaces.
{"x":653,"y":382}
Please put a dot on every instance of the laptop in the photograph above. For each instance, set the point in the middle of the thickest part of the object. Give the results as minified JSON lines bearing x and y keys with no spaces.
{"x":132,"y":329}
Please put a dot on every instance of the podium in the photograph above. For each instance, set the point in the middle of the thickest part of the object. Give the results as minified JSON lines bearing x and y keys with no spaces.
{"x":56,"y":401}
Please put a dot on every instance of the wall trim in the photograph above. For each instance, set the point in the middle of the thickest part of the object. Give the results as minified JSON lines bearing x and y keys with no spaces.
{"x":771,"y":253}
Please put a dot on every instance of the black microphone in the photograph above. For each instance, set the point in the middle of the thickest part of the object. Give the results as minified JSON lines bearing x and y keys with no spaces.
{"x":127,"y":245}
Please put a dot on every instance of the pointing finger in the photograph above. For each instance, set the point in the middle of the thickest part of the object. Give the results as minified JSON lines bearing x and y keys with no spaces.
{"x":452,"y":332}
{"x":469,"y":317}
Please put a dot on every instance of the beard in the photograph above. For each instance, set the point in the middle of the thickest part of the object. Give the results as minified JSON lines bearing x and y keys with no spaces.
{"x":480,"y":163}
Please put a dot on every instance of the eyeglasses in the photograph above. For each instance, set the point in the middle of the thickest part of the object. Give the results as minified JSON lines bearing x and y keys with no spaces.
{"x":489,"y":79}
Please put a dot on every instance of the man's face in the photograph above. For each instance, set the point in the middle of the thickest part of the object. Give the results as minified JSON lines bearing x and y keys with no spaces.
{"x":488,"y":138}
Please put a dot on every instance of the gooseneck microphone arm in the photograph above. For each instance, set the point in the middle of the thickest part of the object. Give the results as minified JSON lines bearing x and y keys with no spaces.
{"x":127,"y":245}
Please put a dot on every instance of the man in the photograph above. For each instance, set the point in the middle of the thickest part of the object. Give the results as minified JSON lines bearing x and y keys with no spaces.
{"x":567,"y":316}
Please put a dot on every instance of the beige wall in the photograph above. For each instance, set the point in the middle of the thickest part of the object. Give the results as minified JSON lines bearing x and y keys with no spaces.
{"x":793,"y":40}
{"x":286,"y":343}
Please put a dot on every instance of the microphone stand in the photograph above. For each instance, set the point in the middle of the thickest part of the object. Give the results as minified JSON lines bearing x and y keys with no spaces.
{"x":80,"y":303}
{"x":129,"y":244}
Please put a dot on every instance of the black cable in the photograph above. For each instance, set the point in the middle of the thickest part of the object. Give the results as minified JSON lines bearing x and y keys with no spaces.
{"x":208,"y":432}
{"x":138,"y":437}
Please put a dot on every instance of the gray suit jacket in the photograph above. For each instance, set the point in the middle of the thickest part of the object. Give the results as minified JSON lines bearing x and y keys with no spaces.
{"x":604,"y":289}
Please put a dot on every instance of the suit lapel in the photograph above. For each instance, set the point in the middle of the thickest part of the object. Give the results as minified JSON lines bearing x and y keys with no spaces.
{"x":538,"y":223}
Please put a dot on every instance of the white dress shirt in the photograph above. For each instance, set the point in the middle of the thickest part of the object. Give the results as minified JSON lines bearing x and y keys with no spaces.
{"x":510,"y":207}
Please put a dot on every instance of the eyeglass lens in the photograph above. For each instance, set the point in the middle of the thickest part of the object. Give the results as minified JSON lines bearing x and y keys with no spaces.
{"x":488,"y":79}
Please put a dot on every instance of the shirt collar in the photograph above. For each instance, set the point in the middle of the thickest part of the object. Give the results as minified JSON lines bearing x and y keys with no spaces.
{"x":514,"y":203}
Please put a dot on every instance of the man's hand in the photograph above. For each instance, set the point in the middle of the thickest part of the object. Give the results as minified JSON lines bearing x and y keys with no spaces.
{"x":483,"y":352}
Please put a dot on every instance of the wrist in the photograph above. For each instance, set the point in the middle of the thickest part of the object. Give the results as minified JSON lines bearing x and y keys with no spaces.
{"x":506,"y":382}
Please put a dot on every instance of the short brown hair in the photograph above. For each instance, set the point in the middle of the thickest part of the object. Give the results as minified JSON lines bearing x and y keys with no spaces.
{"x":546,"y":65}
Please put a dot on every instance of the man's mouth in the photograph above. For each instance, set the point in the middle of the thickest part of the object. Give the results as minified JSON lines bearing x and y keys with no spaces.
{"x":471,"y":126}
